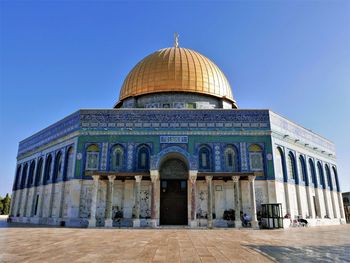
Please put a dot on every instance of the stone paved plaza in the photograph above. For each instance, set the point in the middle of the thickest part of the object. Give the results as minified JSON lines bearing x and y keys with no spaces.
{"x":41,"y":244}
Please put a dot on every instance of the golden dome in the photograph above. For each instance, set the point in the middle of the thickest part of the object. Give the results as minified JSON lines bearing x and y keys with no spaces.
{"x":176,"y":70}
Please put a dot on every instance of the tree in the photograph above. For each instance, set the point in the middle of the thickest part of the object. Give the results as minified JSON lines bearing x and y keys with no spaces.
{"x":1,"y":206}
{"x":6,"y":202}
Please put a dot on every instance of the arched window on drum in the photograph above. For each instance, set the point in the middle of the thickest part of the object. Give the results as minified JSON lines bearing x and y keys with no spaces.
{"x":231,"y":159}
{"x":117,"y":158}
{"x":92,"y":157}
{"x":256,"y":157}
{"x":204,"y":156}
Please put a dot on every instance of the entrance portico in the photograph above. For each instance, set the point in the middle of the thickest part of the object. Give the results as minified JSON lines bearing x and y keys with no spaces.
{"x":176,"y":196}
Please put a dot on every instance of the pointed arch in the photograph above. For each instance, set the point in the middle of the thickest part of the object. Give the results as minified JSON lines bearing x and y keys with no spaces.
{"x":231,"y":158}
{"x":313,"y":172}
{"x":205,"y":158}
{"x":39,"y":171}
{"x":143,"y":157}
{"x":256,"y":157}
{"x":92,"y":157}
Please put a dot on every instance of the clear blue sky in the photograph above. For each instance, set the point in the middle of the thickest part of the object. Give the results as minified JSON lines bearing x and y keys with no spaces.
{"x":289,"y":56}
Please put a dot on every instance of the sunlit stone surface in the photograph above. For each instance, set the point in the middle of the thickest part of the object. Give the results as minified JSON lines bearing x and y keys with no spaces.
{"x":40,"y":244}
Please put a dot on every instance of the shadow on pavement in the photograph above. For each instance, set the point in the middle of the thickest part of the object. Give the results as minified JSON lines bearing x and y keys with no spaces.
{"x":294,"y":254}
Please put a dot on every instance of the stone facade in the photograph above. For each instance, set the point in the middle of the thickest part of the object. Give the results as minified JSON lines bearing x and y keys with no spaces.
{"x":70,"y":173}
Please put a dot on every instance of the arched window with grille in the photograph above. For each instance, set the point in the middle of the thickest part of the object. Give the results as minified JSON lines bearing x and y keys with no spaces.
{"x":69,"y":163}
{"x":231,"y":159}
{"x":320,"y":174}
{"x":39,"y":171}
{"x":302,"y":169}
{"x":313,"y":172}
{"x":329,"y":178}
{"x":117,"y":158}
{"x":256,"y":158}
{"x":280,"y":166}
{"x":204,"y":156}
{"x":58,"y":166}
{"x":17,"y":179}
{"x":24,"y":176}
{"x":336,"y":178}
{"x":143,"y":154}
{"x":92,"y":157}
{"x":48,"y":168}
{"x":291,"y":166}
{"x":31,"y":174}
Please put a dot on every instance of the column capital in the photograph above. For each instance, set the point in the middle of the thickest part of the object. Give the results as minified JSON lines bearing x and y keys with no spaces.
{"x":235,"y":178}
{"x":95,"y":177}
{"x":209,"y":178}
{"x":154,"y":178}
{"x":111,"y":178}
{"x":192,"y":175}
{"x":251,"y":178}
{"x":138,"y":178}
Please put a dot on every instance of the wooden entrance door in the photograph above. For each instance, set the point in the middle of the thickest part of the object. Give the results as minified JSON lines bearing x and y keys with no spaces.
{"x":173,"y":202}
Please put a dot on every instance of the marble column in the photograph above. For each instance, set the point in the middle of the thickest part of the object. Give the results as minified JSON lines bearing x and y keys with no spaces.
{"x":192,"y":179}
{"x":136,"y":221}
{"x":94,"y":191}
{"x":154,"y":195}
{"x":254,"y":222}
{"x":238,"y":222}
{"x":109,"y":201}
{"x":209,"y":180}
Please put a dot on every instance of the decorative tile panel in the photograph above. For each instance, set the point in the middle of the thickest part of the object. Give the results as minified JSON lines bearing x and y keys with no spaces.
{"x":104,"y":156}
{"x":243,"y":155}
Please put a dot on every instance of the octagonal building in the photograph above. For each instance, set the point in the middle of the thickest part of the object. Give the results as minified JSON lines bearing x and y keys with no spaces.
{"x":176,"y":150}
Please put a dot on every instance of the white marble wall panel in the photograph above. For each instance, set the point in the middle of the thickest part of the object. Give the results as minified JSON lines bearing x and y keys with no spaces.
{"x":56,"y":199}
{"x":29,"y":202}
{"x":85,"y":199}
{"x":129,"y":198}
{"x":321,"y":202}
{"x":229,"y":195}
{"x":336,"y":202}
{"x":220,"y":191}
{"x":293,"y":200}
{"x":145,"y":205}
{"x":101,"y":199}
{"x":280,"y":195}
{"x":261,"y":194}
{"x":245,"y":197}
{"x":202,"y":198}
{"x":118,"y":196}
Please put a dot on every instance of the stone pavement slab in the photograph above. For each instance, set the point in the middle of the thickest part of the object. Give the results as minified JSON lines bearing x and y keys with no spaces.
{"x":43,"y":244}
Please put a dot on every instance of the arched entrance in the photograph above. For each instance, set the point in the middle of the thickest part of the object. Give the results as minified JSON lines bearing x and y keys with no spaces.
{"x":173,"y":192}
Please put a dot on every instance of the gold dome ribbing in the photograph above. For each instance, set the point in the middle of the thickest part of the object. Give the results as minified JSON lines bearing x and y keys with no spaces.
{"x":176,"y":70}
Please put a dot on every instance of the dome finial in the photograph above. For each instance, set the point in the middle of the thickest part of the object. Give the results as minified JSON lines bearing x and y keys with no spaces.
{"x":176,"y":39}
